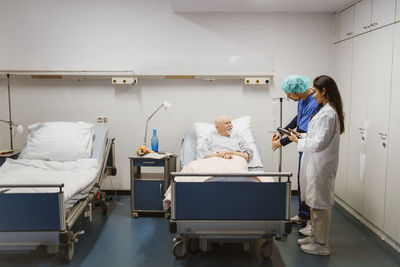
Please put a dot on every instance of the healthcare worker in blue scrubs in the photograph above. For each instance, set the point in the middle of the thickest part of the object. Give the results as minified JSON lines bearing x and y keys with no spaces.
{"x":320,"y":147}
{"x":298,"y":88}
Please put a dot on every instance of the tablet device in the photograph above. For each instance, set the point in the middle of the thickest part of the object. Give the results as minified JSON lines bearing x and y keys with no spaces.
{"x":283,"y":131}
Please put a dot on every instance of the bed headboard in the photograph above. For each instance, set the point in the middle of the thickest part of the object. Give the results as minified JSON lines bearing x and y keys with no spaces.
{"x":99,"y":141}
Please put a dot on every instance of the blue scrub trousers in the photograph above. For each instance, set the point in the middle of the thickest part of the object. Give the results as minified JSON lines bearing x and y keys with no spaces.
{"x":304,"y":210}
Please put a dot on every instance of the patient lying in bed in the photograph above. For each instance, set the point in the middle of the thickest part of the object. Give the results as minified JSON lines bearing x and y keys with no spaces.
{"x":223,"y":144}
{"x":235,"y":164}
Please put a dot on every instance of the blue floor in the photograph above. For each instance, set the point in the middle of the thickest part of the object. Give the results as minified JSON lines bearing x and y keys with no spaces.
{"x":119,"y":240}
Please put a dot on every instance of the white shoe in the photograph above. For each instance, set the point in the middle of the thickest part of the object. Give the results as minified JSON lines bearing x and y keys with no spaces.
{"x":296,"y":219}
{"x":316,"y":248}
{"x":307,"y":240}
{"x":307,"y":231}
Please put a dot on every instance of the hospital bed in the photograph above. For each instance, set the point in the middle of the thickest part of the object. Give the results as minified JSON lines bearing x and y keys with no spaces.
{"x":231,"y":208}
{"x":38,"y":214}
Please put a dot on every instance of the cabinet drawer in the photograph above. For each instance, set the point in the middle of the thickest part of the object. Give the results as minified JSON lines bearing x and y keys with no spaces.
{"x":148,"y":162}
{"x":148,"y":195}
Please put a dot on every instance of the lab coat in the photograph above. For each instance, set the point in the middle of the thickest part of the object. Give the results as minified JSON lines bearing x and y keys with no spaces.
{"x":320,"y":149}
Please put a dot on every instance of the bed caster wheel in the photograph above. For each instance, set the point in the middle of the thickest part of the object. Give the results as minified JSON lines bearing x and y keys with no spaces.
{"x":135,"y":215}
{"x":266,"y":249}
{"x":179,"y":249}
{"x":177,"y":239}
{"x":69,"y":252}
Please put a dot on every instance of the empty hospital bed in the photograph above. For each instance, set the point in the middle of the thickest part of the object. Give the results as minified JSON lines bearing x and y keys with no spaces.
{"x":231,"y":208}
{"x":35,"y":212}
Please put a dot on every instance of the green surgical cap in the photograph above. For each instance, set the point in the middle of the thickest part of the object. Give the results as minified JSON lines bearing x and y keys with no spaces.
{"x":295,"y":84}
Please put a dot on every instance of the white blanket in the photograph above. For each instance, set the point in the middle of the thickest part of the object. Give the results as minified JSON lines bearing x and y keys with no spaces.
{"x":211,"y":165}
{"x":75,"y":175}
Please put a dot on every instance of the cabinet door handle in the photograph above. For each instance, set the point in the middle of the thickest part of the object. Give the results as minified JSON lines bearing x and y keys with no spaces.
{"x":374,"y":24}
{"x":366,"y":27}
{"x":383,"y":136}
{"x":349,"y":33}
{"x":160,"y":189}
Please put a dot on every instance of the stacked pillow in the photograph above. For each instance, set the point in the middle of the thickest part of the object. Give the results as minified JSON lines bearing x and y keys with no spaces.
{"x":59,"y":141}
{"x":241,"y":127}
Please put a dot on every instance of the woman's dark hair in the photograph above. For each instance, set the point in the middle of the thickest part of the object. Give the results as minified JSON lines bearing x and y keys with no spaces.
{"x":332,"y":94}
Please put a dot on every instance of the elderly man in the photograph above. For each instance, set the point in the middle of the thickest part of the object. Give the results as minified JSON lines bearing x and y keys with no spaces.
{"x":224,"y":144}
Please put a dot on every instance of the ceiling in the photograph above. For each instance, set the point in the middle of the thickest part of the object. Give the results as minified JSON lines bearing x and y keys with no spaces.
{"x":255,"y":6}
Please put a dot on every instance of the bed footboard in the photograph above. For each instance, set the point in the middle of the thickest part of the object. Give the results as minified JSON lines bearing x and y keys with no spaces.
{"x":231,"y":201}
{"x":230,"y":210}
{"x":30,"y":219}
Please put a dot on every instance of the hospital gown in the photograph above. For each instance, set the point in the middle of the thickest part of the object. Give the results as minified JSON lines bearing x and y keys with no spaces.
{"x":218,"y":142}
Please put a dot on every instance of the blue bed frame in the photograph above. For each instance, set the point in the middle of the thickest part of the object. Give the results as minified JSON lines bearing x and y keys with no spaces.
{"x":32,"y":219}
{"x":234,"y":211}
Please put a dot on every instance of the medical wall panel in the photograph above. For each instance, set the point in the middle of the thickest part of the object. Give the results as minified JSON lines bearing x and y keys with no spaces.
{"x":346,"y":23}
{"x":358,"y":111}
{"x":362,"y":16}
{"x":392,"y":210}
{"x":343,"y":72}
{"x":380,"y":58}
{"x":383,"y":13}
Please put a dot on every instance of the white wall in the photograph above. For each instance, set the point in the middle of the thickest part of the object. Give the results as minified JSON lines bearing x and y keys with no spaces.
{"x":112,"y":35}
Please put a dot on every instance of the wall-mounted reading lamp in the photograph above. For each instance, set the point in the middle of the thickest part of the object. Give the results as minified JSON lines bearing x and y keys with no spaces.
{"x":166,"y":106}
{"x":19,"y":128}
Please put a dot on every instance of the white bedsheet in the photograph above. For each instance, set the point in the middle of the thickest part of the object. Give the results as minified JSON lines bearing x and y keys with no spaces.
{"x":75,"y":175}
{"x":213,"y":165}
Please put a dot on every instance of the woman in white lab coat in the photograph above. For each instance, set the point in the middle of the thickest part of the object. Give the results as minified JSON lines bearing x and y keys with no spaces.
{"x":320,"y":147}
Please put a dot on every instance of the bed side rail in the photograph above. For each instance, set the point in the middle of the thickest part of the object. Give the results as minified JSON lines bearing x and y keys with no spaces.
{"x":107,"y":168}
{"x":108,"y":161}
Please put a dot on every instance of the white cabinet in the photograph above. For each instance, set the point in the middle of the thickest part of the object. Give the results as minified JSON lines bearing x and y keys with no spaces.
{"x":358,"y":118}
{"x":362,"y":16}
{"x":343,"y":80}
{"x":372,"y":14}
{"x":380,"y":62}
{"x":346,"y":23}
{"x":369,"y":111}
{"x":383,"y":12}
{"x":392,"y":210}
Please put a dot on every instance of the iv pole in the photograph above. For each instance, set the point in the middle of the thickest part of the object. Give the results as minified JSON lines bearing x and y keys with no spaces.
{"x":19,"y":128}
{"x":280,"y":125}
{"x":9,"y":111}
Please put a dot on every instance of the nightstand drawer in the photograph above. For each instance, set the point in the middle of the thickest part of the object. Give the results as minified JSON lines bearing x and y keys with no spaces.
{"x":148,"y":195}
{"x":148,"y":162}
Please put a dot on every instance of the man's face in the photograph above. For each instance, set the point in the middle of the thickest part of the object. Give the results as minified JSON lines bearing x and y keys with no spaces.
{"x":225,"y":127}
{"x":293,"y":96}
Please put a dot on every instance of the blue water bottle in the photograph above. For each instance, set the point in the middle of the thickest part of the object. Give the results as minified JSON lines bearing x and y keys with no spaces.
{"x":154,"y":141}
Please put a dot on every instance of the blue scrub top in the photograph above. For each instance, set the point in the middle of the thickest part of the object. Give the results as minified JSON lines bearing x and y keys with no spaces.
{"x":306,"y":109}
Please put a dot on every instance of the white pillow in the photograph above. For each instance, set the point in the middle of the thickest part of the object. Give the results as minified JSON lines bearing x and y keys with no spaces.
{"x":241,"y":127}
{"x":59,"y":141}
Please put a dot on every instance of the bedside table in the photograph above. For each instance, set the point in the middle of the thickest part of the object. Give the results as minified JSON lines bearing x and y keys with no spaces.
{"x":13,"y":155}
{"x":147,"y":189}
